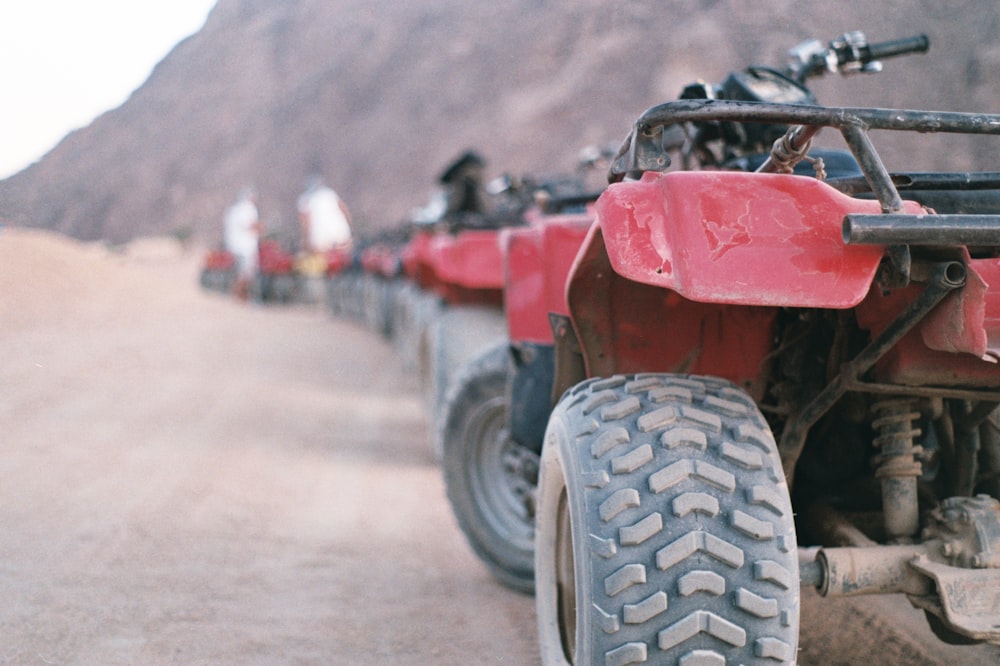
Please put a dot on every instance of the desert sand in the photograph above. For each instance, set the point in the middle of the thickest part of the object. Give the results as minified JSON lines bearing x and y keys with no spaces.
{"x":188,"y":479}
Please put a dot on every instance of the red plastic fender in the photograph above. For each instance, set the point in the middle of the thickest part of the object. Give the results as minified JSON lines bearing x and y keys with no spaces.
{"x":741,"y":238}
{"x":416,"y":259}
{"x":466,"y":267}
{"x":337,"y":260}
{"x":388,"y":265}
{"x":381,"y":259}
{"x":537,"y":259}
{"x":627,"y":326}
{"x":471,"y":259}
{"x":274,"y":260}
{"x":957,"y":344}
{"x":219,"y":260}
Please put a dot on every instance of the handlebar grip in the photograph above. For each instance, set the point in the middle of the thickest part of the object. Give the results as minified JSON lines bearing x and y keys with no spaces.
{"x":896,"y":47}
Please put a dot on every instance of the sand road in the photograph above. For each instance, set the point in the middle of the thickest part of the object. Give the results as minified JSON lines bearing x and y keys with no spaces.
{"x":185,"y":479}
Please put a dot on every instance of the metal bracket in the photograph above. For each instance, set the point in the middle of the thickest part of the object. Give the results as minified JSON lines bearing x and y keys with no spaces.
{"x":646,"y":152}
{"x":969,"y":598}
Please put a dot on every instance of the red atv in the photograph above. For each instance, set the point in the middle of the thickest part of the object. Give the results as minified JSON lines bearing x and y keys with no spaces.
{"x":449,"y":310}
{"x":498,"y":403}
{"x":782,"y":348}
{"x":218,"y":271}
{"x":276,"y":280}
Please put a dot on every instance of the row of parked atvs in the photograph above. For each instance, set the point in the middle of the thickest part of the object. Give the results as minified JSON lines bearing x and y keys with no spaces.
{"x":664,"y":408}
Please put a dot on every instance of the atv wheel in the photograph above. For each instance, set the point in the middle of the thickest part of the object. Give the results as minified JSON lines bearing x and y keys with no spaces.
{"x":458,"y":335}
{"x":257,"y":288}
{"x":490,"y":479}
{"x":664,"y":529}
{"x":283,"y":288}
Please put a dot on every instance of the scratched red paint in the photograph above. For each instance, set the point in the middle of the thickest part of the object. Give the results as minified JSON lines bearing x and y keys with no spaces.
{"x":733,"y":237}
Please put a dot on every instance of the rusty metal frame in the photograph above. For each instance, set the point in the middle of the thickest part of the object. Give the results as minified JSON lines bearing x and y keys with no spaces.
{"x":645,"y":150}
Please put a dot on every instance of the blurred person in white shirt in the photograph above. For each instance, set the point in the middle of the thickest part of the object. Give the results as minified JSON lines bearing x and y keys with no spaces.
{"x":325,"y":220}
{"x":241,"y":237}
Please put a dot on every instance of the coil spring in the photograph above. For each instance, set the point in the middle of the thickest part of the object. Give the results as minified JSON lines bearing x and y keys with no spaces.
{"x":900,"y":457}
{"x":898,"y":468}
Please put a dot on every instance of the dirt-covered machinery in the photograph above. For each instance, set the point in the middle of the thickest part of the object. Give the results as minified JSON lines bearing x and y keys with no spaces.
{"x":498,"y":404}
{"x":773,"y":348}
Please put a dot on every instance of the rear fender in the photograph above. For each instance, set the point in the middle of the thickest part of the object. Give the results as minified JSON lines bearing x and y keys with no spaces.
{"x":739,"y":238}
{"x":537,"y":260}
{"x":469,"y":258}
{"x":626,"y":326}
{"x":416,"y":262}
{"x":338,"y":260}
{"x":467,"y":267}
{"x":273,"y":259}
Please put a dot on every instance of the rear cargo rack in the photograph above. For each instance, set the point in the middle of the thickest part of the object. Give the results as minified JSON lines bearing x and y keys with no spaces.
{"x":646,"y":150}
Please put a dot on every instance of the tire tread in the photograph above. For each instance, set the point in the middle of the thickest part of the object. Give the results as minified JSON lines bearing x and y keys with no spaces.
{"x":704,"y":566}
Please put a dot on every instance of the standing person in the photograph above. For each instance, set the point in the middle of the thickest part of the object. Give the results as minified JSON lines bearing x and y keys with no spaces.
{"x":241,"y":236}
{"x":326,"y":231}
{"x":325,"y":220}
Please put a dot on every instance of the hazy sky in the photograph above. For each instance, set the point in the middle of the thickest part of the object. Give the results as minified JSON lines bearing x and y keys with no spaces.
{"x":64,"y":62}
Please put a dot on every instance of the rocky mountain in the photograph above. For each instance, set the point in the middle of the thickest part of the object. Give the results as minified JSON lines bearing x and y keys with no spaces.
{"x":378,"y":96}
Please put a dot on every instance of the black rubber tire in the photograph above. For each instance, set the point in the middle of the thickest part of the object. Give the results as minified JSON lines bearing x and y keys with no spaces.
{"x":377,"y":306}
{"x":664,"y":529}
{"x":490,"y":479}
{"x":258,"y":288}
{"x":284,"y":288}
{"x":217,"y":280}
{"x":458,"y":334}
{"x":411,"y":305}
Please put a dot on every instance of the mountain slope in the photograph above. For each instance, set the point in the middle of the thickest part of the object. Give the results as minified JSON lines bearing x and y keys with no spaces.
{"x":378,"y":96}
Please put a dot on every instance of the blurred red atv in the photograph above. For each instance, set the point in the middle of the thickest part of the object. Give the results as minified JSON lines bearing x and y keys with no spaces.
{"x":218,"y":271}
{"x":498,"y":403}
{"x":456,"y":311}
{"x":762,"y":360}
{"x":276,"y":279}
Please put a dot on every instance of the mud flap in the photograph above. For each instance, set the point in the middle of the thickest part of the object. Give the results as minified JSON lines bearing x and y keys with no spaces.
{"x":568,"y":362}
{"x":530,"y":393}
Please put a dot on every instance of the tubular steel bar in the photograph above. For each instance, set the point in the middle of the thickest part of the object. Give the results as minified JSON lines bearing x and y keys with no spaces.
{"x":917,"y":182}
{"x":933,"y":230}
{"x":871,"y":165}
{"x":644,"y":149}
{"x":702,"y":110}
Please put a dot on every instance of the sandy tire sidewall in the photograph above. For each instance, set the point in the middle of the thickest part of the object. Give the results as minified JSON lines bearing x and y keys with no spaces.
{"x":570,"y":463}
{"x":558,"y":459}
{"x":473,"y":427}
{"x":458,"y":334}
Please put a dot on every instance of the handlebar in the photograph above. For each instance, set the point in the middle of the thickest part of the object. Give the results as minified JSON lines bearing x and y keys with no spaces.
{"x":849,"y":53}
{"x":898,"y":47}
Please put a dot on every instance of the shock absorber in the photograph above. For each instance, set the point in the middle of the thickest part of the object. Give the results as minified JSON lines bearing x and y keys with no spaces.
{"x":898,"y":467}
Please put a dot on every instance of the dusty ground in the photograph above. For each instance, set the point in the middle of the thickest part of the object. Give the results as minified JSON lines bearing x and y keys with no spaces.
{"x":189,"y":480}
